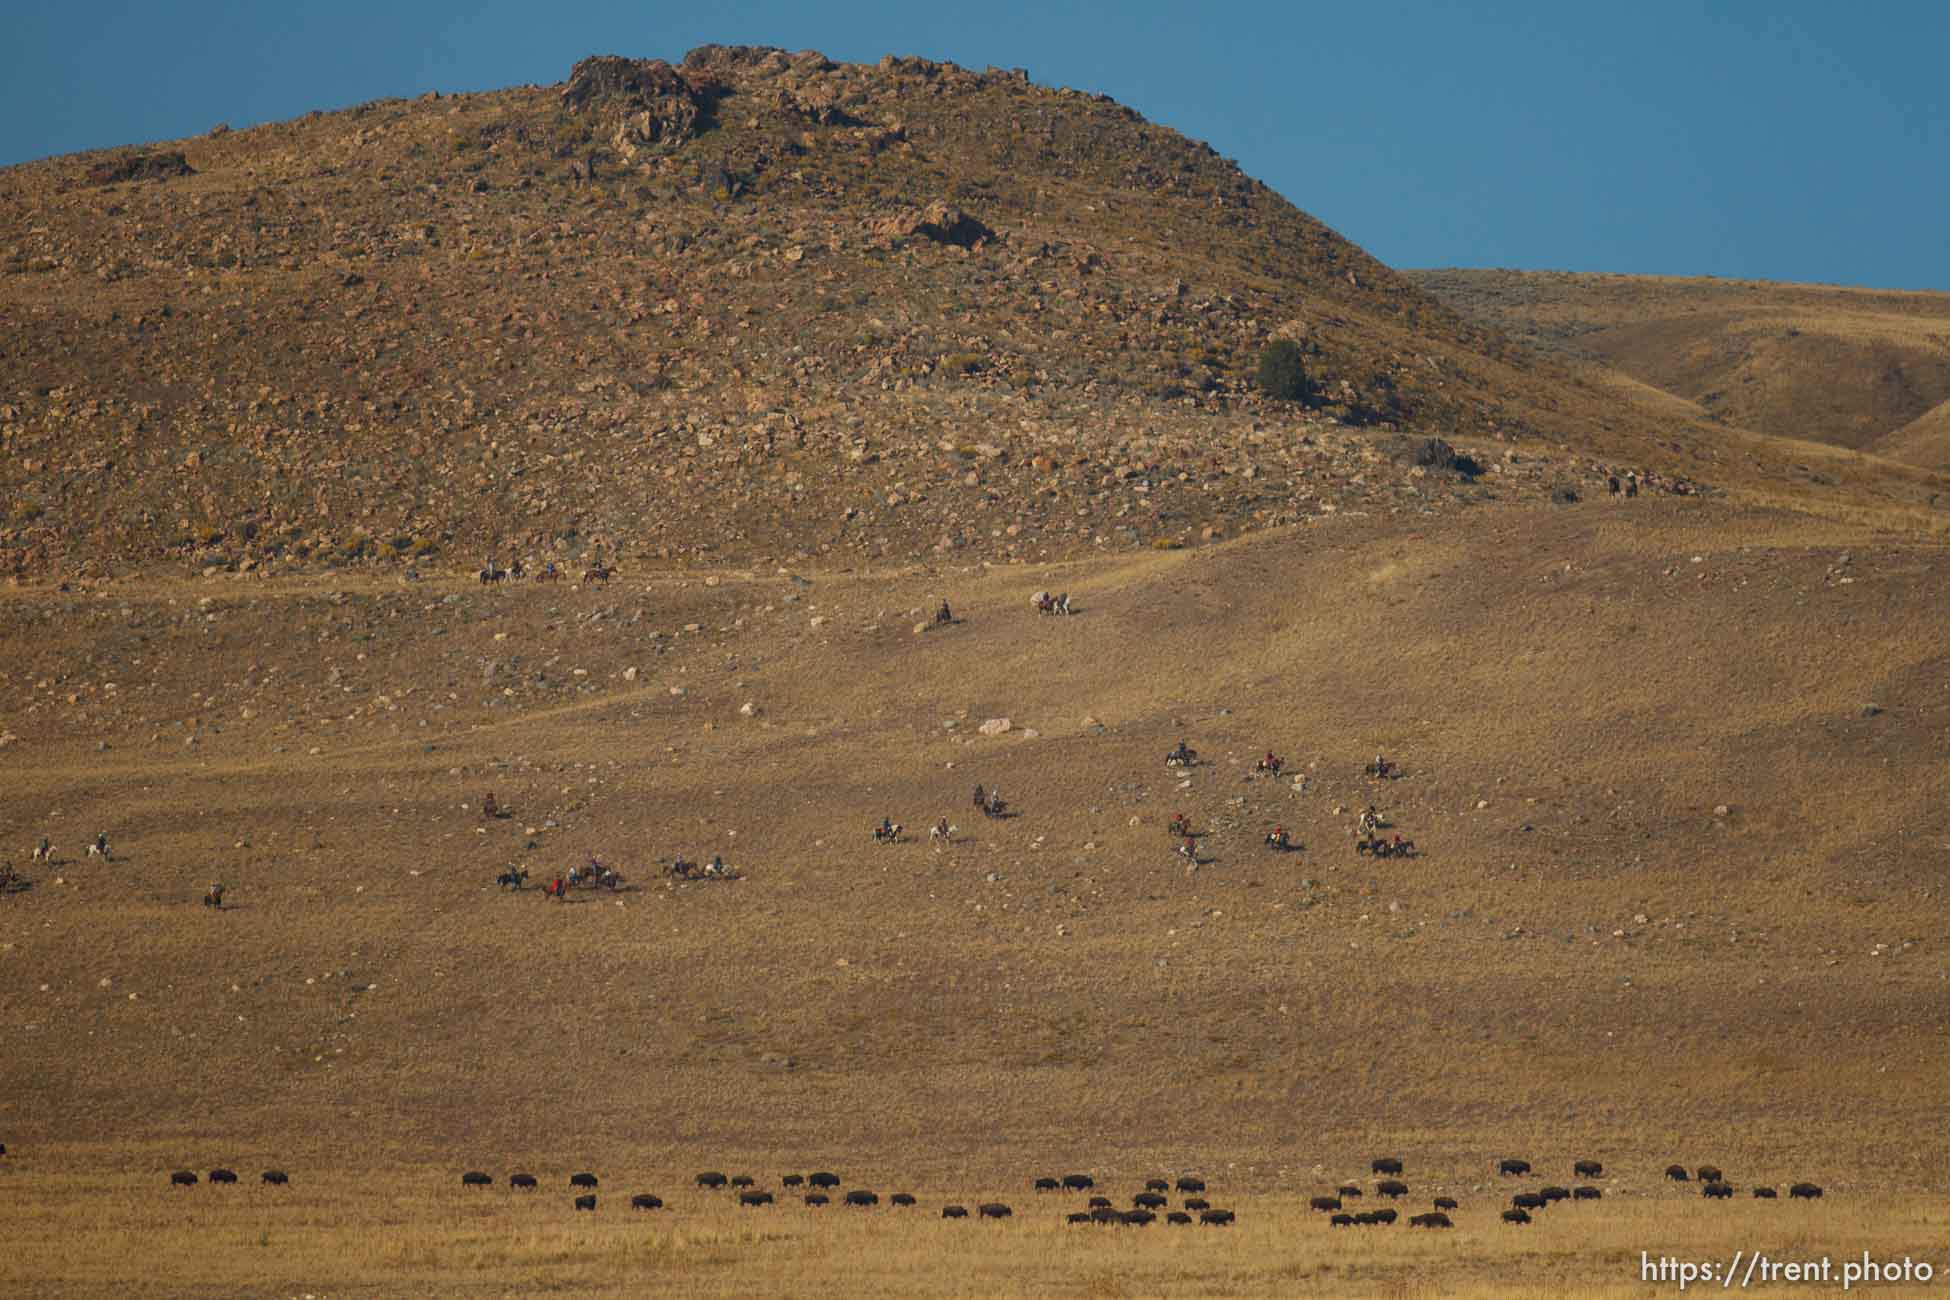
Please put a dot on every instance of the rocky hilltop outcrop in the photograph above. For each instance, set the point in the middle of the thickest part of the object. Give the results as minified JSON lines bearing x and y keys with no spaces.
{"x":752,"y":306}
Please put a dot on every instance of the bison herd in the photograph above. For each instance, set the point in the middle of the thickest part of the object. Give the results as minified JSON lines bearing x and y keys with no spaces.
{"x":185,"y":1178}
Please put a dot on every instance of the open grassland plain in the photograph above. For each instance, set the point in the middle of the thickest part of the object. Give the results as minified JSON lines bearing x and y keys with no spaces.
{"x":1674,"y":768}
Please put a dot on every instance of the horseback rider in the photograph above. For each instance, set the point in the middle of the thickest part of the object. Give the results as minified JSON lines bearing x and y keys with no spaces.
{"x":1189,"y":848}
{"x":943,"y":615}
{"x":101,"y":843}
{"x":981,"y":797}
{"x":1278,"y":838}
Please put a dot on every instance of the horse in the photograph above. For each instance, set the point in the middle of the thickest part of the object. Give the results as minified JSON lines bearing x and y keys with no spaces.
{"x":44,"y":851}
{"x":943,"y":616}
{"x":598,"y":575}
{"x":515,"y":571}
{"x":1183,"y":756}
{"x":996,"y":805}
{"x":887,"y":833}
{"x":1270,"y":765}
{"x":512,"y":879}
{"x":489,"y":808}
{"x":609,"y":880}
{"x":491,"y":575}
{"x":1181,"y":826}
{"x":99,"y":849}
{"x":214,"y":896}
{"x":557,"y":889}
{"x":941,"y":833}
{"x":1189,"y":850}
{"x":1383,"y":769}
{"x":981,"y":798}
{"x":1277,"y":840}
{"x":548,"y":573}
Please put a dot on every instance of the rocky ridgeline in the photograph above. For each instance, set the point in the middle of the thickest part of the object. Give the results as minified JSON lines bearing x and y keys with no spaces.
{"x":754,"y":306}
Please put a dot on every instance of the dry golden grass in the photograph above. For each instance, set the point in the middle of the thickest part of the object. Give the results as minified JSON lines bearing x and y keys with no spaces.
{"x":1572,"y":691}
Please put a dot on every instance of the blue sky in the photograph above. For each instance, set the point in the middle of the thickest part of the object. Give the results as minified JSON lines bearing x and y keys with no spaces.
{"x":1788,"y":141}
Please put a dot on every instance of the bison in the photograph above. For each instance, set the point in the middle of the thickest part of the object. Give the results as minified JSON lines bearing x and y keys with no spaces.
{"x":223,"y":1176}
{"x":1078,"y":1182}
{"x":1177,"y":1218}
{"x":1191,"y":1184}
{"x":1383,"y":1215}
{"x":1515,"y":1216}
{"x":1528,"y":1201}
{"x":645,"y":1201}
{"x":1588,"y":1169}
{"x":1513,"y":1166}
{"x":475,"y":1178}
{"x":901,"y":1198}
{"x":1678,"y":1173}
{"x":743,"y":1180}
{"x":1197,"y":1203}
{"x":1717,"y":1191}
{"x":824,"y":1180}
{"x":1349,"y":1190}
{"x":1048,"y":1185}
{"x":750,"y":1199}
{"x":1766,"y":1194}
{"x":1078,"y":1216}
{"x":1805,"y":1192}
{"x":994,"y":1210}
{"x":793,"y":1180}
{"x":1433,"y":1219}
{"x":1097,"y":1203}
{"x":1445,"y":1202}
{"x":713,"y":1179}
{"x":1138,"y":1218}
{"x":586,"y":1202}
{"x":1386,"y":1165}
{"x":1156,"y":1185}
{"x":1585,"y":1193}
{"x":817,"y":1199}
{"x":1342,"y":1221}
{"x":524,"y":1181}
{"x":1216,"y":1218}
{"x":1711,"y":1174}
{"x":583,"y":1180}
{"x":1148,"y":1201}
{"x":861,"y":1197}
{"x":182,"y":1178}
{"x":1324,"y":1203}
{"x":1391,"y":1187}
{"x":1554,"y":1193}
{"x":277,"y":1178}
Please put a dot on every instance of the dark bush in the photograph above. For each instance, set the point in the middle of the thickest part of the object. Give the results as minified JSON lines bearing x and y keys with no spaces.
{"x":1283,"y":371}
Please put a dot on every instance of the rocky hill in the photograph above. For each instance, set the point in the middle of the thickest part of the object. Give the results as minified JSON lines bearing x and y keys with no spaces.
{"x":758,"y":306}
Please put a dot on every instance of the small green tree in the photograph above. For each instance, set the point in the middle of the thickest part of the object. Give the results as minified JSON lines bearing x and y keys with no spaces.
{"x":1283,"y":371}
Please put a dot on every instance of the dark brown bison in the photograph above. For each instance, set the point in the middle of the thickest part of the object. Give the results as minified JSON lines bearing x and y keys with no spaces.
{"x":1342,"y":1221}
{"x":1433,"y":1219}
{"x":475,"y":1178}
{"x":1513,"y":1166}
{"x":1196,"y":1203}
{"x":1555,"y":1193}
{"x":861,"y":1197}
{"x":1528,"y":1201}
{"x":1515,"y":1216}
{"x":1178,"y":1218}
{"x":582,"y":1180}
{"x":1585,"y":1193}
{"x":525,"y":1181}
{"x":750,"y":1198}
{"x":824,"y":1180}
{"x":817,"y":1199}
{"x":1148,"y":1201}
{"x":1588,"y":1169}
{"x":1078,"y":1182}
{"x":182,"y":1178}
{"x":1191,"y":1184}
{"x":743,"y":1180}
{"x":1216,"y":1218}
{"x":277,"y":1178}
{"x":793,"y":1180}
{"x":1097,"y":1202}
{"x":901,"y":1198}
{"x":712,"y":1178}
{"x":1105,"y":1214}
{"x":1766,"y":1194}
{"x":1138,"y":1218}
{"x":645,"y":1201}
{"x":1445,"y":1202}
{"x":1386,"y":1165}
{"x":1384,"y":1215}
{"x":1156,"y":1185}
{"x":1710,"y":1174}
{"x":1391,"y":1187}
{"x":1678,"y":1173}
{"x":1078,"y":1216}
{"x":1805,"y":1192}
{"x":223,"y":1176}
{"x":586,"y":1202}
{"x":1717,"y":1191}
{"x":994,"y":1210}
{"x":1049,"y":1185}
{"x":1349,"y":1190}
{"x":1325,"y":1204}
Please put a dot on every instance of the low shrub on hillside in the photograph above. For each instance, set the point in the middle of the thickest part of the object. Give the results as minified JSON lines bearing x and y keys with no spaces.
{"x":1283,"y":371}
